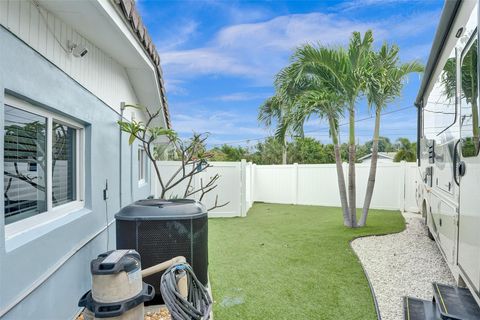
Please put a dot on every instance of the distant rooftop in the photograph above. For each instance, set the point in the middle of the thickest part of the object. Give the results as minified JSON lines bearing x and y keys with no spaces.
{"x":381,"y":155}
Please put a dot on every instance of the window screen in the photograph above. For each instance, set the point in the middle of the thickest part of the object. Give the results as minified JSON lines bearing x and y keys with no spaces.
{"x":63,"y":164}
{"x":25,"y":164}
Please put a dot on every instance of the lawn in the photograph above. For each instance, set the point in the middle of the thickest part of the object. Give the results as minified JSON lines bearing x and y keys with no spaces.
{"x":291,"y":262}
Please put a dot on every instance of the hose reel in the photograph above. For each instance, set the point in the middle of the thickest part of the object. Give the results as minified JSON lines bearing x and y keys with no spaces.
{"x":119,"y":292}
{"x":196,"y":304}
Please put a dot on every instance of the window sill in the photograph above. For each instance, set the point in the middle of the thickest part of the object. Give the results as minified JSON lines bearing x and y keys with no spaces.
{"x":25,"y":231}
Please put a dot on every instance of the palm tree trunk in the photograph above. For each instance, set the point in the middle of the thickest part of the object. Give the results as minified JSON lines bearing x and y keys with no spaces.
{"x":340,"y":176}
{"x":373,"y":171}
{"x":351,"y":168}
{"x":284,"y":150}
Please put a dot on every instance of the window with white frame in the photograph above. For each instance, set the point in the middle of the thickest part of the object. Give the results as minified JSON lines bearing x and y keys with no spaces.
{"x":42,"y":168}
{"x":142,"y":165}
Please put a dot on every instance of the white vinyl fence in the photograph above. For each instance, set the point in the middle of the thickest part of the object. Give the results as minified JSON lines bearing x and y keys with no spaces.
{"x":231,"y":187}
{"x":243,"y":183}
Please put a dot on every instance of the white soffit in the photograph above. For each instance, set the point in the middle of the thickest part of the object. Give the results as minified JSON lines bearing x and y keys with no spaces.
{"x":101,"y":24}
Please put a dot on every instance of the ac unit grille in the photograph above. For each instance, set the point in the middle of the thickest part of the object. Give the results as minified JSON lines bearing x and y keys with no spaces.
{"x":161,"y":240}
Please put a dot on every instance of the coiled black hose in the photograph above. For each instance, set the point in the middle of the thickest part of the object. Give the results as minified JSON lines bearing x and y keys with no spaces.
{"x":198,"y":304}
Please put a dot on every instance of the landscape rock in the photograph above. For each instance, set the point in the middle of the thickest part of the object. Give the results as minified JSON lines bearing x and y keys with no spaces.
{"x":402,"y":264}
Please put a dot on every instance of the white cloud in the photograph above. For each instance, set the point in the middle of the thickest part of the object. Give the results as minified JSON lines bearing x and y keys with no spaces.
{"x":203,"y":61}
{"x":175,"y":86}
{"x":216,"y":123}
{"x":258,"y":50}
{"x":242,"y":96}
{"x":181,"y":34}
{"x":355,"y":4}
{"x":417,"y":52}
{"x":243,"y":14}
{"x":284,"y":33}
{"x":413,"y":25}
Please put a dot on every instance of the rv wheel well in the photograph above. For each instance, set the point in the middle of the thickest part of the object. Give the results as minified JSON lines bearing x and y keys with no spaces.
{"x":424,"y":209}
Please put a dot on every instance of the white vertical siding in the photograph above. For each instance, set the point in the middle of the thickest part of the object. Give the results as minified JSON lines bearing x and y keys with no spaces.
{"x":97,"y":72}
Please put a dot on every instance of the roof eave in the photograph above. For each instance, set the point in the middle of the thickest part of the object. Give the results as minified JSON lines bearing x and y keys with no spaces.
{"x":130,"y":12}
{"x":449,"y":12}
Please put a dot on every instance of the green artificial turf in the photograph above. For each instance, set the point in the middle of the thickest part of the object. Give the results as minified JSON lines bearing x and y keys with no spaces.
{"x":291,"y":262}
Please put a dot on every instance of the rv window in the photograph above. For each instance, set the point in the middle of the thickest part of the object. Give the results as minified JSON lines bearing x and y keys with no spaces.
{"x":469,"y":101}
{"x":439,"y":112}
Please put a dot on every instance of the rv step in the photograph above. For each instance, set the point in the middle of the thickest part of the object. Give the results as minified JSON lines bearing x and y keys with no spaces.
{"x":418,"y":309}
{"x":455,"y":303}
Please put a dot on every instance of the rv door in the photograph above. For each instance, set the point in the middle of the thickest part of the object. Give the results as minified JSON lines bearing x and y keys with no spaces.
{"x":467,"y":168}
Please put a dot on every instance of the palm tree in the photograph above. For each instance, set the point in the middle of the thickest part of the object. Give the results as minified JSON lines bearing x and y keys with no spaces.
{"x":359,"y":51}
{"x":273,"y":109}
{"x":347,"y":71}
{"x":319,"y":93}
{"x":385,"y":82}
{"x":406,"y":151}
{"x":327,"y":104}
{"x":277,"y":108}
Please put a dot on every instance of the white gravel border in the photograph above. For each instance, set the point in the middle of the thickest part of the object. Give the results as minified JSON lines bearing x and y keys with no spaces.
{"x":402,"y":264}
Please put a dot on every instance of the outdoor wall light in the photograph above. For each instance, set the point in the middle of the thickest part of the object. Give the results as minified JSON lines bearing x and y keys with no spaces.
{"x":78,"y":51}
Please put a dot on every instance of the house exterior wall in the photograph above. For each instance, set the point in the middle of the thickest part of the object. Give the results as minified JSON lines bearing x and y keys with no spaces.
{"x":45,"y":270}
{"x":97,"y":71}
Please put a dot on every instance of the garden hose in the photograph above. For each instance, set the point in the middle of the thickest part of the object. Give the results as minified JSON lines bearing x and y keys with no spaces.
{"x":198,"y":303}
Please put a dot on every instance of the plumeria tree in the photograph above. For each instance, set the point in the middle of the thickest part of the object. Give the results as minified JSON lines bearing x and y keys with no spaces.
{"x":190,"y":152}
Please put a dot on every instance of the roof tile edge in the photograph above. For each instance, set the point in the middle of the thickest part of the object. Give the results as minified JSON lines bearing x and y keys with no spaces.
{"x":131,"y":14}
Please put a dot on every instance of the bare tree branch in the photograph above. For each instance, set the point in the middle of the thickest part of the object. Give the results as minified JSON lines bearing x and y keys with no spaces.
{"x":191,"y":153}
{"x":216,"y":205}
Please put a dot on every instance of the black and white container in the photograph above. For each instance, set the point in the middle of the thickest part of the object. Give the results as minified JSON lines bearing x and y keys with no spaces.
{"x":118,"y":291}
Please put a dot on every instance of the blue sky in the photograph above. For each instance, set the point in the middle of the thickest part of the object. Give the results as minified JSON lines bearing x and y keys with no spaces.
{"x":219,"y":57}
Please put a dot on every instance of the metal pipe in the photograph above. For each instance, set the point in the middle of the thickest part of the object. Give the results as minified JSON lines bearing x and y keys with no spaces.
{"x":122,"y":108}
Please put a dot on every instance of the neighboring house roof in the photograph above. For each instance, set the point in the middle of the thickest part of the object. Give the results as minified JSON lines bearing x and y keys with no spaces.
{"x":130,"y":12}
{"x":384,"y":155}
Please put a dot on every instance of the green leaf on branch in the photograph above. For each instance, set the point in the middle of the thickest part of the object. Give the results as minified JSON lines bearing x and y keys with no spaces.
{"x":131,"y":139}
{"x":156,"y":132}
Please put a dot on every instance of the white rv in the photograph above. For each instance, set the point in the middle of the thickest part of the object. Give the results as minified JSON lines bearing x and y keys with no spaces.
{"x":448,"y":192}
